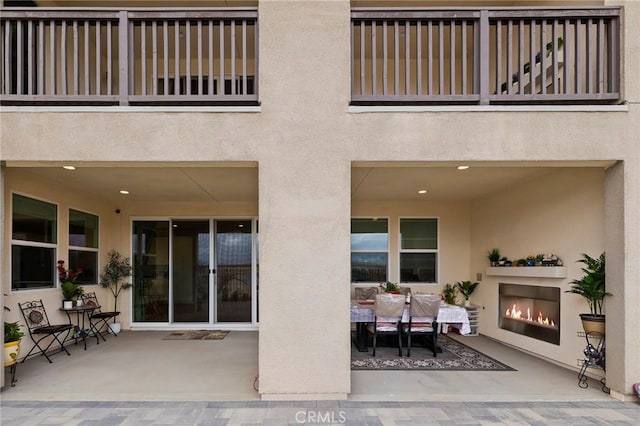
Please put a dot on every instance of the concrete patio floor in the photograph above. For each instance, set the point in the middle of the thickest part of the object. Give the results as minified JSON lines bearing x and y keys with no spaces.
{"x":141,"y":366}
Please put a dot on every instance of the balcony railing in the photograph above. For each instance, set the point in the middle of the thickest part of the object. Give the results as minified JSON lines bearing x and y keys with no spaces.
{"x":485,"y":56}
{"x":129,"y":57}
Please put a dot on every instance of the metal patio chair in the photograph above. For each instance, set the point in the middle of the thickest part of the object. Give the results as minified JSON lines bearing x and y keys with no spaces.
{"x":37,"y":321}
{"x":98,"y":320}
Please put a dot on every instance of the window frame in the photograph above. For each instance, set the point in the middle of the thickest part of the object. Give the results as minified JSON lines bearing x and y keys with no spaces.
{"x":387,"y":250}
{"x":86,"y":249}
{"x":435,"y":251}
{"x":38,"y":244}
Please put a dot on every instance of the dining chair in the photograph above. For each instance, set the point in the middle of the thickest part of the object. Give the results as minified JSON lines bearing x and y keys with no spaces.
{"x":39,"y":327}
{"x":423,"y":319}
{"x":366,"y":293}
{"x":388,"y":311}
{"x":98,"y":319}
{"x":405,"y":290}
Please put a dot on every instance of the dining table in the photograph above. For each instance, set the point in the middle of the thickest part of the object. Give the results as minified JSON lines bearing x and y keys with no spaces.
{"x":81,"y":313}
{"x":363,"y":312}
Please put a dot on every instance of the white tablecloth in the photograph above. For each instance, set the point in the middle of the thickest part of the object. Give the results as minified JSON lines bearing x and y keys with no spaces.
{"x":448,"y":314}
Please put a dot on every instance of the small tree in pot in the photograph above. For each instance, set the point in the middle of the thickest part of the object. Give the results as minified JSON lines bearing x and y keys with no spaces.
{"x":592,"y":288}
{"x":114,"y":275}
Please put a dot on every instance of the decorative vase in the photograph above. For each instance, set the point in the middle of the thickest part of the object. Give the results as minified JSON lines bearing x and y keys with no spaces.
{"x":67,"y":304}
{"x":11,"y":352}
{"x":115,"y":327}
{"x":467,"y":302}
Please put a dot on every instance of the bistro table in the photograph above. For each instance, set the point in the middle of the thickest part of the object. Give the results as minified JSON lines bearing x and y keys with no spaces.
{"x":81,"y":312}
{"x":362,"y":312}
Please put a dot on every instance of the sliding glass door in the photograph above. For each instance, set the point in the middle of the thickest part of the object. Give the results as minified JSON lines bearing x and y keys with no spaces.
{"x":190,"y":270}
{"x":194,"y":271}
{"x":233,"y":270}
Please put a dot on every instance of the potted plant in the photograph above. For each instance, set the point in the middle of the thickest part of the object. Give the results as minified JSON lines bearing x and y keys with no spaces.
{"x":592,"y":287}
{"x":466,"y":288}
{"x":12,"y":338}
{"x":114,"y":275}
{"x":390,"y":287}
{"x":494,"y":256}
{"x":450,"y":293}
{"x":70,"y":289}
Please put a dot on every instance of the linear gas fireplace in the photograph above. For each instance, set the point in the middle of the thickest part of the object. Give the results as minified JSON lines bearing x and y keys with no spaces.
{"x":529,"y":310}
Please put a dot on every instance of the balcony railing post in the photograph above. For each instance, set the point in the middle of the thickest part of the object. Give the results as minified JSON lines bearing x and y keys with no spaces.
{"x":484,"y":57}
{"x":614,"y":55}
{"x":123,"y":58}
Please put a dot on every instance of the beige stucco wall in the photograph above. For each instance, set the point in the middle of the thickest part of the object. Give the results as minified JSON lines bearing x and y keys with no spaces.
{"x":304,"y":140}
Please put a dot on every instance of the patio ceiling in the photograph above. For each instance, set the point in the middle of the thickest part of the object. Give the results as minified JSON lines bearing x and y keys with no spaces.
{"x":238,"y":182}
{"x":401,"y":181}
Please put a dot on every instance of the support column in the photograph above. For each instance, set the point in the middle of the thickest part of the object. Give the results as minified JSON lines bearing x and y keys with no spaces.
{"x":623,"y":308}
{"x":304,"y":344}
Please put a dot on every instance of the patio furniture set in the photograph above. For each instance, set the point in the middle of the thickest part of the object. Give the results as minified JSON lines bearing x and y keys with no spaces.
{"x":403,"y":316}
{"x":44,"y":334}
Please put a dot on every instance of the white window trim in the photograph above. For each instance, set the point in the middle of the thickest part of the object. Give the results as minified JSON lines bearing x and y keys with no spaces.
{"x":83,"y":248}
{"x":387,"y":250}
{"x":27,"y":243}
{"x":436,"y":251}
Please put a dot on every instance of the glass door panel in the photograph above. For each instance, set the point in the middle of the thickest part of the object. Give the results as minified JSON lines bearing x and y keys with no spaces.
{"x":190,"y":272}
{"x":233,"y":270}
{"x":150,"y":271}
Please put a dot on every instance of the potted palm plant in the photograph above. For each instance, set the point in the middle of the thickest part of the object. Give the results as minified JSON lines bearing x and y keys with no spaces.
{"x":114,"y":275}
{"x":592,"y":288}
{"x":12,"y":338}
{"x":466,"y":288}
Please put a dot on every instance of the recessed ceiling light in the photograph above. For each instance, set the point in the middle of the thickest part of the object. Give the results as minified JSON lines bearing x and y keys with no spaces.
{"x":422,"y":191}
{"x":68,"y":167}
{"x":463,"y":167}
{"x":124,"y":192}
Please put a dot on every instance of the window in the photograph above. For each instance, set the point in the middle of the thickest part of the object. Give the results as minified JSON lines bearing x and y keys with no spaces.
{"x":33,"y":243}
{"x":418,"y":250}
{"x":369,"y":250}
{"x":83,"y":245}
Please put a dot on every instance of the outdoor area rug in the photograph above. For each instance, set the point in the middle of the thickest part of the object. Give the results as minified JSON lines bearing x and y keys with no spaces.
{"x":197,"y":335}
{"x":454,"y":356}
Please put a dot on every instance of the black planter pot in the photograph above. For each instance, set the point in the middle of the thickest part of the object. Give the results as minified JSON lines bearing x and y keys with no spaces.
{"x":592,"y":323}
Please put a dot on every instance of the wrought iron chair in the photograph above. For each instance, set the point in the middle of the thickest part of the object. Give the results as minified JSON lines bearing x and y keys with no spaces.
{"x":366,"y":293}
{"x":423,"y":319}
{"x":387,"y":318}
{"x":37,"y":321}
{"x":98,"y":320}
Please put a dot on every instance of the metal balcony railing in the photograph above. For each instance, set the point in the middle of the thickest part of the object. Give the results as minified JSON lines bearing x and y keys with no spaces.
{"x":123,"y":57}
{"x":485,"y":56}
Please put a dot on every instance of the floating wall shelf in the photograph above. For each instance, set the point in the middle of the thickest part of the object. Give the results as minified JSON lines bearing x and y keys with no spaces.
{"x":528,"y":271}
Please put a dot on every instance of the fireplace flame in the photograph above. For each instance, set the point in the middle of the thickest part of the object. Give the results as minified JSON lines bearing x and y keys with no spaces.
{"x":516,"y":313}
